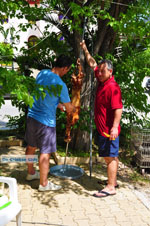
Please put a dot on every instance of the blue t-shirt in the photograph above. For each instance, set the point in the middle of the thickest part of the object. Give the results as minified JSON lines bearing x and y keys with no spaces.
{"x":44,"y":110}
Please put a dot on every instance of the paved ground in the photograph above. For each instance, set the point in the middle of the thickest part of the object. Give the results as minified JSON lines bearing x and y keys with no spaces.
{"x":74,"y":205}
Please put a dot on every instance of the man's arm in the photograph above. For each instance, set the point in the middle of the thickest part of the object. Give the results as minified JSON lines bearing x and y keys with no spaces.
{"x":61,"y":107}
{"x":69,"y":107}
{"x":114,"y":129}
{"x":90,"y":60}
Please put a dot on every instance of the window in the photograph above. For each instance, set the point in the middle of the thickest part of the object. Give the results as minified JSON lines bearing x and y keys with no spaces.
{"x":32,"y":41}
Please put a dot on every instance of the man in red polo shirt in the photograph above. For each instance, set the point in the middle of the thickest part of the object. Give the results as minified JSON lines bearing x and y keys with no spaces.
{"x":108,"y":111}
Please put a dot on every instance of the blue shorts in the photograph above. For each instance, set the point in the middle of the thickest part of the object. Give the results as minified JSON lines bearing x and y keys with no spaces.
{"x":40,"y":136}
{"x":108,"y":148}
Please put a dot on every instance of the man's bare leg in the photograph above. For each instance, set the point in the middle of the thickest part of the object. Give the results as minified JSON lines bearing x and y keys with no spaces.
{"x":112,"y":167}
{"x":44,"y":168}
{"x":30,"y":151}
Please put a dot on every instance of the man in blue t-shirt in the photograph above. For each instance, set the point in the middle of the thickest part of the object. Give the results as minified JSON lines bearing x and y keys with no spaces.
{"x":41,"y":121}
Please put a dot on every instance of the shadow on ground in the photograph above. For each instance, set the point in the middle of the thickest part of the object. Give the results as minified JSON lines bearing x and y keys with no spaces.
{"x":85,"y":185}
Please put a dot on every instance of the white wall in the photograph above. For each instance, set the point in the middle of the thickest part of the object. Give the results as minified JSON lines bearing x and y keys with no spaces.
{"x":36,"y":30}
{"x":24,"y":36}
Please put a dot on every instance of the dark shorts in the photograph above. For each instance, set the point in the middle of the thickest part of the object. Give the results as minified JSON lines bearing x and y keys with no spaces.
{"x":40,"y":136}
{"x":108,"y":148}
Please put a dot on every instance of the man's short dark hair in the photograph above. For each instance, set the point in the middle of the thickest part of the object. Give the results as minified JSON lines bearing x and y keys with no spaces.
{"x":108,"y":62}
{"x":63,"y":61}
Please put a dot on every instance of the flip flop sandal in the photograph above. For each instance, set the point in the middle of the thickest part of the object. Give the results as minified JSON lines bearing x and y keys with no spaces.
{"x":103,"y":196}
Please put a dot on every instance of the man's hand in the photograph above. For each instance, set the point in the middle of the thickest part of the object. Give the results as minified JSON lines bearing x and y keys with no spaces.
{"x":70,"y":108}
{"x":114,"y":129}
{"x":90,"y":60}
{"x":83,"y":45}
{"x":113,"y":133}
{"x":61,"y":107}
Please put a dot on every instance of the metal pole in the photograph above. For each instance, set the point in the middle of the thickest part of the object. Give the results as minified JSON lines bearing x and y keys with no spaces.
{"x":66,"y":153}
{"x":91,"y":117}
{"x":91,"y":123}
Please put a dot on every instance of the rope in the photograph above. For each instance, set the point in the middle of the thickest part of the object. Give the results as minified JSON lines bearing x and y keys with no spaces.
{"x":122,"y":4}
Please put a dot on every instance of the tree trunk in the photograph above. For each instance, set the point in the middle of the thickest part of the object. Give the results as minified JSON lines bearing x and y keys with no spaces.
{"x":103,"y":44}
{"x":81,"y":139}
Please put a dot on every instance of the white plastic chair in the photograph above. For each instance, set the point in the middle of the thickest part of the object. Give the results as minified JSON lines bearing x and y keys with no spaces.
{"x":13,"y":210}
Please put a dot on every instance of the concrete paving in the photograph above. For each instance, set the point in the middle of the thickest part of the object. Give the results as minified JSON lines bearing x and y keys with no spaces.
{"x":74,"y":204}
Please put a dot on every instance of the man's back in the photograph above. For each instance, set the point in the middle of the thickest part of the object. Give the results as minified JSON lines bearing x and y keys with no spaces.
{"x":44,"y":110}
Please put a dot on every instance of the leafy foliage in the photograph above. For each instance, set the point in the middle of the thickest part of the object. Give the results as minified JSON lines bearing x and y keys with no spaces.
{"x":6,"y":53}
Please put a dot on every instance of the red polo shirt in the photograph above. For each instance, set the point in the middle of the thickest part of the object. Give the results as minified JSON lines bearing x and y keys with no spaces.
{"x":108,"y":98}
